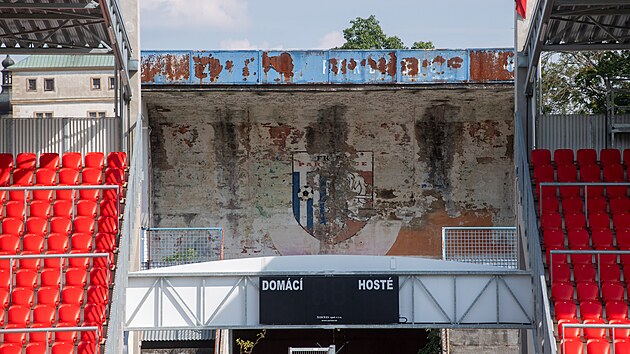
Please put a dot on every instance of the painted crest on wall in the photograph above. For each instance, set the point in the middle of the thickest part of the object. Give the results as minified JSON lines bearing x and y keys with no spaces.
{"x":333,"y":193}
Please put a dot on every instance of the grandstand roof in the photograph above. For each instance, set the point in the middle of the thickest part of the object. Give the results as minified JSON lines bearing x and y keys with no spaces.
{"x":65,"y":62}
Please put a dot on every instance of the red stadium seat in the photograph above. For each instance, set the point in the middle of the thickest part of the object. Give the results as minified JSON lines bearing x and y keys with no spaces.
{"x":586,"y":157}
{"x":21,"y":178}
{"x":15,"y":209}
{"x":94,"y":314}
{"x":616,"y":310}
{"x":117,"y":160}
{"x":72,"y":160}
{"x":30,"y":263}
{"x":110,"y":208}
{"x":599,"y":221}
{"x":620,"y":204}
{"x":69,"y":337}
{"x":565,"y":310}
{"x":45,"y":177}
{"x":61,"y":225}
{"x":613,"y":292}
{"x":60,"y":347}
{"x":79,"y":262}
{"x":23,"y":297}
{"x":37,"y":226}
{"x":587,"y":292}
{"x":97,"y":294}
{"x":108,"y":261}
{"x":547,"y":205}
{"x":81,"y":242}
{"x":33,"y":243}
{"x":568,"y":173}
{"x":72,"y":295}
{"x":44,"y":314}
{"x":614,"y":173}
{"x":55,"y":262}
{"x":35,"y":345}
{"x":622,"y":346}
{"x":10,"y":243}
{"x":91,"y":176}
{"x":590,"y":310}
{"x":4,"y":299}
{"x":591,"y":173}
{"x":602,"y":237}
{"x":26,"y":160}
{"x":621,"y":221}
{"x":63,"y":208}
{"x":49,"y":160}
{"x":596,"y":204}
{"x":58,"y":242}
{"x":109,"y":224}
{"x":610,"y":156}
{"x":598,"y":345}
{"x":541,"y":157}
{"x":84,"y":224}
{"x":545,"y":173}
{"x":547,"y":221}
{"x":563,"y":157}
{"x":87,"y":208}
{"x":16,"y":338}
{"x":19,"y":315}
{"x":572,"y":205}
{"x":562,"y":292}
{"x":100,"y":276}
{"x":87,"y":347}
{"x":574,"y":221}
{"x":620,"y":333}
{"x":67,"y":177}
{"x":609,"y":273}
{"x":5,"y":279}
{"x":584,"y":273}
{"x":11,"y":348}
{"x":76,"y":277}
{"x":26,"y":278}
{"x":40,"y":209}
{"x":7,"y":264}
{"x":95,"y":160}
{"x":6,"y":161}
{"x":69,"y":313}
{"x":107,"y":242}
{"x":114,"y":176}
{"x":12,"y":226}
{"x":51,"y":278}
{"x":578,"y":237}
{"x":48,"y":295}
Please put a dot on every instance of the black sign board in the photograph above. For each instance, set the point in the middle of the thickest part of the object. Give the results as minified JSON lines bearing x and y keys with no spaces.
{"x":329,"y":300}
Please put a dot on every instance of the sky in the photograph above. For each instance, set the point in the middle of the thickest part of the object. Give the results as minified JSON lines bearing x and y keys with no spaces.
{"x":318,"y":24}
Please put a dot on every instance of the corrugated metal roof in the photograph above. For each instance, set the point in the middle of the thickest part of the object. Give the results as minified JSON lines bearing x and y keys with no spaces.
{"x":175,"y":335}
{"x":64,"y":62}
{"x":583,"y":23}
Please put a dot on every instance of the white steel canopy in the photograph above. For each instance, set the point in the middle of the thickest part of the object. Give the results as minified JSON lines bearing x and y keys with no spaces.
{"x":432,"y":293}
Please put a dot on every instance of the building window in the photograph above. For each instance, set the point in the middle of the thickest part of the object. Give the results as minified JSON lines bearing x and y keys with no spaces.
{"x":96,"y":83}
{"x":43,"y":114}
{"x":96,"y":114}
{"x":112,"y":83}
{"x":31,"y":85}
{"x":49,"y":84}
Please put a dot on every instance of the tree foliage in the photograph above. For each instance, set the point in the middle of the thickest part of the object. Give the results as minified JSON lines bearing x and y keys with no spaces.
{"x":580,"y":82}
{"x":366,"y":33}
{"x":434,"y":342}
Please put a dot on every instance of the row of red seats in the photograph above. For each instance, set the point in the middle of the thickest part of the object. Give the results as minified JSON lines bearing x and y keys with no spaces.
{"x":601,"y":239}
{"x":577,"y":220}
{"x":587,"y":273}
{"x":589,"y":174}
{"x":59,"y":224}
{"x":58,"y":243}
{"x":588,"y":291}
{"x":595,"y":204}
{"x":71,"y":160}
{"x":49,"y":315}
{"x":59,"y":347}
{"x":53,"y":296}
{"x":594,"y":346}
{"x":564,"y":157}
{"x":52,"y":277}
{"x":59,"y":208}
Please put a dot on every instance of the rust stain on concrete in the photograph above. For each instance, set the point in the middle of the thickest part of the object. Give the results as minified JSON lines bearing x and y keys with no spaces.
{"x":282,"y":63}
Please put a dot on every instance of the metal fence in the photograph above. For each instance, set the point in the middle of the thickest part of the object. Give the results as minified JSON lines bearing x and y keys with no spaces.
{"x":329,"y":350}
{"x":579,"y":131}
{"x":59,"y":135}
{"x":164,"y":247}
{"x":497,"y":246}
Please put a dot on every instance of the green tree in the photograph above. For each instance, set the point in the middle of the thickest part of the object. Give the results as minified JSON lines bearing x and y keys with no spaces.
{"x":580,"y":82}
{"x":366,"y":33}
{"x":434,"y":342}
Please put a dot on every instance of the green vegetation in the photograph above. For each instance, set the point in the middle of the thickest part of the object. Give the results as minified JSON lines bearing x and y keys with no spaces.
{"x":247,"y":346}
{"x":434,"y":342}
{"x":366,"y":33}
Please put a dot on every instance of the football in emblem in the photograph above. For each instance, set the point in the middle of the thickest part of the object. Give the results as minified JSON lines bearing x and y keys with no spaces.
{"x":306,"y":193}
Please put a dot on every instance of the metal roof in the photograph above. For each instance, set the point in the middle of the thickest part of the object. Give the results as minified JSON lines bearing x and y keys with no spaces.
{"x":62,"y":26}
{"x":64,"y":62}
{"x":588,"y":25}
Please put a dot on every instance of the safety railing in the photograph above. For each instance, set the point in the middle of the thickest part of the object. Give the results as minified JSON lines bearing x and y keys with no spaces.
{"x":117,"y":339}
{"x":527,"y":224}
{"x":164,"y":247}
{"x":329,"y":350}
{"x":60,"y":134}
{"x":497,"y":246}
{"x":95,"y":329}
{"x":597,"y":253}
{"x":611,"y":328}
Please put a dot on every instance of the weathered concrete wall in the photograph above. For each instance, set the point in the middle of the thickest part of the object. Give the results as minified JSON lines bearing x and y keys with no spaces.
{"x":383,"y":169}
{"x":477,"y":341}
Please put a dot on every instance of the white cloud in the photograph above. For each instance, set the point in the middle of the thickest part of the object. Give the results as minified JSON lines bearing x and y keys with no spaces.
{"x":245,"y":44}
{"x":222,"y":14}
{"x":331,"y":40}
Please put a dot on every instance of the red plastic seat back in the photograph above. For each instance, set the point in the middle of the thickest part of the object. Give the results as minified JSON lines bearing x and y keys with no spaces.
{"x":26,"y":160}
{"x":95,"y":160}
{"x":72,"y":160}
{"x":541,"y":157}
{"x":563,"y":157}
{"x":117,"y":160}
{"x":610,"y":156}
{"x":6,"y":161}
{"x":586,"y":157}
{"x":49,"y":160}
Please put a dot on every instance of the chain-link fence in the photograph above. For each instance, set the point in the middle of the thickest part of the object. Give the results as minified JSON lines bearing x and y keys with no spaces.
{"x":165,"y":247}
{"x":497,"y":246}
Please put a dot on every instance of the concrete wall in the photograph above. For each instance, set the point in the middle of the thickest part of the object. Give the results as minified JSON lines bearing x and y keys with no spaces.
{"x":384,"y":168}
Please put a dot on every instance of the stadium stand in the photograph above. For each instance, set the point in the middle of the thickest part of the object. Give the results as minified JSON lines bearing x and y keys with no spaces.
{"x":589,"y":286}
{"x":51,"y":274}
